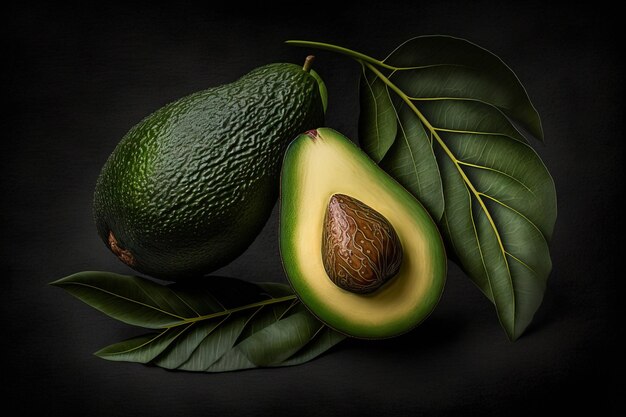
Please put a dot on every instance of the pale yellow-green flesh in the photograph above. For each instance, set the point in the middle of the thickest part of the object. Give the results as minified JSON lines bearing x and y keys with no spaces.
{"x":330,"y":168}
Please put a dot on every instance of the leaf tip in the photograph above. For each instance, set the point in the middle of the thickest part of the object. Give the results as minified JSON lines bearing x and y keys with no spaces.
{"x":57,"y":283}
{"x":72,"y":278}
{"x":512,"y":334}
{"x":540,"y":135}
{"x":104,"y":353}
{"x":536,"y":128}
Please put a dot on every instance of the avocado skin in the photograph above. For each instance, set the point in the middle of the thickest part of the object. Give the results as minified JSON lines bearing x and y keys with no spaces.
{"x":188,"y":189}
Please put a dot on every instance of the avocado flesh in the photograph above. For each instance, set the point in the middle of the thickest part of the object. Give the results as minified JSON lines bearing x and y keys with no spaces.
{"x":318,"y":165}
{"x":188,"y":189}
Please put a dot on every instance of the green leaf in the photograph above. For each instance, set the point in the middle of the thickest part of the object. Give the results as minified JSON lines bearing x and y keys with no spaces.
{"x":411,"y":161}
{"x":133,"y":300}
{"x":444,"y":67}
{"x":280,"y":341}
{"x":377,"y":123}
{"x":222,"y":324}
{"x":142,"y":349}
{"x":458,"y":108}
{"x":322,"y":87}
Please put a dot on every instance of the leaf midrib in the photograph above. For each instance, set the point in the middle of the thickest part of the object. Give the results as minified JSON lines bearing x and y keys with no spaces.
{"x":467,"y":181}
{"x":93,"y":287}
{"x":186,"y":320}
{"x":234,"y":310}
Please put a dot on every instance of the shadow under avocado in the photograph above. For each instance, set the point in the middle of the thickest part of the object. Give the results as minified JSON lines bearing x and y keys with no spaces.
{"x":435,"y":332}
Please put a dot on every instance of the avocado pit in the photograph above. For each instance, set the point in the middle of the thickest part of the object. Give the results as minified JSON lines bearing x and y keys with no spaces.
{"x":361,"y":250}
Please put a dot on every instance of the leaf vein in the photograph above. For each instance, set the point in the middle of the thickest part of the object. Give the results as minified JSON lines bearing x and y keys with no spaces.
{"x":521,"y":262}
{"x":467,"y":181}
{"x":497,"y":171}
{"x":126,"y":299}
{"x":514,"y":211}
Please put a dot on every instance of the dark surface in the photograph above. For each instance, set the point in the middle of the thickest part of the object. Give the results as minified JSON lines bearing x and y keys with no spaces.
{"x":79,"y":77}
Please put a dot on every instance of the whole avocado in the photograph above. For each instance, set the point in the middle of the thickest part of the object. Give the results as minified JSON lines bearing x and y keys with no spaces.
{"x":188,"y":189}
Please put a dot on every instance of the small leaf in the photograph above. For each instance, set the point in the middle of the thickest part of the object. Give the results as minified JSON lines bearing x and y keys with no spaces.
{"x":202,"y":325}
{"x":130,"y":299}
{"x":279,"y":340}
{"x":377,"y":123}
{"x":324,"y":339}
{"x":142,"y":349}
{"x":411,"y":161}
{"x":215,"y":342}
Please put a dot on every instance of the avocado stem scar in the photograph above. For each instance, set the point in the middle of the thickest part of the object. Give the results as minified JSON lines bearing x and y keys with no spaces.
{"x":313,"y":134}
{"x":125,"y":255}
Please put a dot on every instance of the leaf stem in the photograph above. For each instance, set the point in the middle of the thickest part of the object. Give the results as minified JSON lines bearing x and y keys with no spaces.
{"x":233,"y":310}
{"x":308,"y":62}
{"x":341,"y":50}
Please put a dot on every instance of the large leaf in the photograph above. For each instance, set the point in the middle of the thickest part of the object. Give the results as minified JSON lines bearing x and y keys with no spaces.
{"x":221,"y":325}
{"x":458,"y":149}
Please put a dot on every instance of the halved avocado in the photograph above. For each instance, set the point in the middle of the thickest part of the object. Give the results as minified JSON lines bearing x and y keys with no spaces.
{"x":319,"y":165}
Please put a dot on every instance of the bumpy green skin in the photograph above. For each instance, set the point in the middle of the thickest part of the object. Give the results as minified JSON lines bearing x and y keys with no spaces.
{"x":188,"y":189}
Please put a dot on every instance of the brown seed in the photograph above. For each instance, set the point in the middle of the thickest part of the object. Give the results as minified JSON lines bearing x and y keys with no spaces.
{"x":360,"y":249}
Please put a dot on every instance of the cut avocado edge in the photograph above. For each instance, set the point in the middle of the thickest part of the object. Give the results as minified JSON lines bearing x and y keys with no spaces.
{"x":407,"y":299}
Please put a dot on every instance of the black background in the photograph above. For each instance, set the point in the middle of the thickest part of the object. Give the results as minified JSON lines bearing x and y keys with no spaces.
{"x":78,"y":77}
